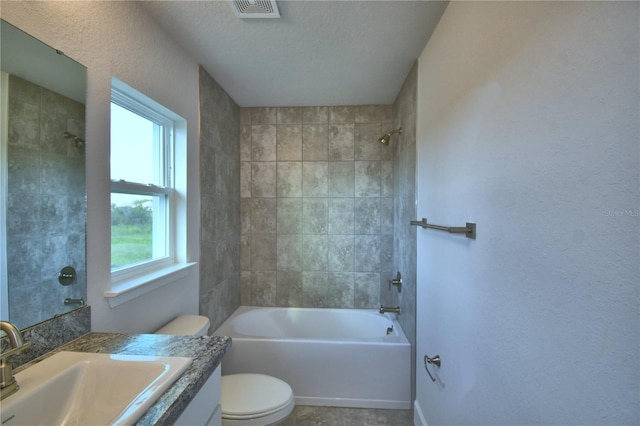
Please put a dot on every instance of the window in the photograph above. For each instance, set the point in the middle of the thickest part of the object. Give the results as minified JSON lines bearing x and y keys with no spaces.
{"x":145,"y":190}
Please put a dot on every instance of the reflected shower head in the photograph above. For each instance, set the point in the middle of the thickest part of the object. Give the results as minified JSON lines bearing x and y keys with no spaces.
{"x":384,"y":140}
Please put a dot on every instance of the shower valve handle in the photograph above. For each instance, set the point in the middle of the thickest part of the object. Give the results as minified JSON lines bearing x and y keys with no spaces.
{"x":397,"y":282}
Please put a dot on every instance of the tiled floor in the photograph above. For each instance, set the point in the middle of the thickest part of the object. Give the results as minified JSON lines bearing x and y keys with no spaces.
{"x":336,"y":416}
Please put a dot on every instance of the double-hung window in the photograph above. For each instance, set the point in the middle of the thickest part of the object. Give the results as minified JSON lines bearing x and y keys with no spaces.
{"x":144,"y":197}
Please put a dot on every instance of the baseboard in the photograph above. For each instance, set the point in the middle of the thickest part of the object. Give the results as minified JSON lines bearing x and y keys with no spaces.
{"x":354,"y":403}
{"x":418,"y":417}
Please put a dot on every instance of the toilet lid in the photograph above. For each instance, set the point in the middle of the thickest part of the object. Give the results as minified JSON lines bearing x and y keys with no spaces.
{"x":186,"y":325}
{"x":246,"y":395}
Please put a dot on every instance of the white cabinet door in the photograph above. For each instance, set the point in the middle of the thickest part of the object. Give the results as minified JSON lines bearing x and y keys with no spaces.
{"x":204,"y":409}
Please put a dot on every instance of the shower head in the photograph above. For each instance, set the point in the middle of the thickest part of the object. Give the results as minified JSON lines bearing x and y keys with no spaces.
{"x":77,"y":139}
{"x":384,"y":140}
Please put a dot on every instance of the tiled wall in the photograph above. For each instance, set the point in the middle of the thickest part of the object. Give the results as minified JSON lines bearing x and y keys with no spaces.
{"x":316,"y":206}
{"x":219,"y":202}
{"x":46,"y":202}
{"x":404,"y":184}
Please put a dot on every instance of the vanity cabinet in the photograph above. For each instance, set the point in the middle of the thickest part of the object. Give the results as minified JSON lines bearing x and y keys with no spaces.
{"x":204,"y":408}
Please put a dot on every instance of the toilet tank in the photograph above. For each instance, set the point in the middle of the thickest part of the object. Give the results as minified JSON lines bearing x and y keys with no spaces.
{"x":186,"y":325}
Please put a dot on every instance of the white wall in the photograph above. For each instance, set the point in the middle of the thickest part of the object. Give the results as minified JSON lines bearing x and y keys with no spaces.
{"x":528,"y":124}
{"x":119,"y":39}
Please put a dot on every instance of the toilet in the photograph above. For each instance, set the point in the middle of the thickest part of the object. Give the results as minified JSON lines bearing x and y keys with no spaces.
{"x":247,"y":399}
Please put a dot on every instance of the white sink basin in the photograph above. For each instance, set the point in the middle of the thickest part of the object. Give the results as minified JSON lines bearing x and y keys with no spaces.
{"x":76,"y":388}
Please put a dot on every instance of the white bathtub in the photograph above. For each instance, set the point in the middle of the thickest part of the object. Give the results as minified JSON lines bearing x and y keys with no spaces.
{"x":330,"y":357}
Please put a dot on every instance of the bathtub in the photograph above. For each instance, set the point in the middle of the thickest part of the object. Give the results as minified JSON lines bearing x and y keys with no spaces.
{"x":329,"y":357}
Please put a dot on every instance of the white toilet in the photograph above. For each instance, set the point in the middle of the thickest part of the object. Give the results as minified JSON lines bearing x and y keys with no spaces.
{"x":247,"y":399}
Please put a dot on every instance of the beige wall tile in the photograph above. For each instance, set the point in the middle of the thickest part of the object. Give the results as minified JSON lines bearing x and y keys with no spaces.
{"x":314,"y":215}
{"x":289,"y":288}
{"x":373,"y":113}
{"x":245,"y":179}
{"x":315,"y":114}
{"x":263,"y":143}
{"x":289,"y":142}
{"x":315,"y":142}
{"x":315,"y":289}
{"x":340,"y":292}
{"x":245,"y":143}
{"x":366,"y":145}
{"x":367,"y":179}
{"x":263,"y":252}
{"x":289,"y":115}
{"x":263,"y":115}
{"x":341,"y":216}
{"x":289,"y":220}
{"x":263,"y":288}
{"x":245,"y":116}
{"x":315,"y":178}
{"x":341,"y":180}
{"x":342,"y":114}
{"x":289,"y":179}
{"x":341,"y":141}
{"x":341,"y":253}
{"x":263,"y":179}
{"x":289,"y":257}
{"x":263,"y":216}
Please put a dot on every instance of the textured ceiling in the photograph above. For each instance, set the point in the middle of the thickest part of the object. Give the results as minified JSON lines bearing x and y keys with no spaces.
{"x":317,"y":53}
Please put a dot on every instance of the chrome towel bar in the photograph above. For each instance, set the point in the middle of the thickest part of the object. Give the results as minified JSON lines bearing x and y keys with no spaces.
{"x":469,"y":230}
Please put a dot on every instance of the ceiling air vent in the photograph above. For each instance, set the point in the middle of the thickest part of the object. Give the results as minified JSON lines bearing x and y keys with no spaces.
{"x":255,"y":8}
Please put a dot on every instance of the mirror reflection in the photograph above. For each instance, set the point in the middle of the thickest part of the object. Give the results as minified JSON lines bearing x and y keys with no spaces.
{"x":43,"y":193}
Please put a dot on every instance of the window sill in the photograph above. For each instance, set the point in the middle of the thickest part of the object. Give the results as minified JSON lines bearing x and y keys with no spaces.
{"x":124,"y":291}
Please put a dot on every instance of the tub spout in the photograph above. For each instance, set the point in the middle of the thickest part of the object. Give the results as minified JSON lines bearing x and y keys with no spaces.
{"x":384,"y":309}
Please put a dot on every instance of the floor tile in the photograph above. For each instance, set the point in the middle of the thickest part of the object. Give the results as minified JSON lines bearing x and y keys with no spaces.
{"x":303,"y":415}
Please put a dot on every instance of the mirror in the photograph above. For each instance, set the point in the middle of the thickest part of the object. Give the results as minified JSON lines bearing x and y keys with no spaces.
{"x":42,"y":191}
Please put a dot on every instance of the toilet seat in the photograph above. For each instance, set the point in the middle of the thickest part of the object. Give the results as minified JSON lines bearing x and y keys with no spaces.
{"x":255,"y":399}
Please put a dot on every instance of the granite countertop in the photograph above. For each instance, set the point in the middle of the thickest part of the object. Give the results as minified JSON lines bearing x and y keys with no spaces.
{"x":206,"y":352}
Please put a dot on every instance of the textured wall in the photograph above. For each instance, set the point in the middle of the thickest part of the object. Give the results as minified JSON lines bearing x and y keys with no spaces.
{"x":528,"y":125}
{"x":317,"y":206}
{"x":219,"y":202}
{"x":45,"y":202}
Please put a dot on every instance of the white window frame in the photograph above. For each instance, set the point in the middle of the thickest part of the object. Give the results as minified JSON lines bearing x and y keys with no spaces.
{"x":131,"y":281}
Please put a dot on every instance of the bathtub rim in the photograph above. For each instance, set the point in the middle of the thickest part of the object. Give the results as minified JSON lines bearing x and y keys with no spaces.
{"x":399,"y":338}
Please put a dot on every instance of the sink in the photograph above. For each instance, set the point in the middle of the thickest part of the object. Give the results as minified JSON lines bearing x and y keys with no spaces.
{"x":77,"y":388}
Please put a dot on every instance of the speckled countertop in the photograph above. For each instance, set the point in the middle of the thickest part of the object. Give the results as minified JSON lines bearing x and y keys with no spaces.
{"x":206,"y":352}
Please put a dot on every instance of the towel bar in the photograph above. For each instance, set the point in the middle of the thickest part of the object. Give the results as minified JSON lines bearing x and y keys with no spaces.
{"x":469,"y":230}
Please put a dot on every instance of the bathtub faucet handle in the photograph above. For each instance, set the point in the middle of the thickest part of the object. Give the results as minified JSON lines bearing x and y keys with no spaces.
{"x":397,"y":282}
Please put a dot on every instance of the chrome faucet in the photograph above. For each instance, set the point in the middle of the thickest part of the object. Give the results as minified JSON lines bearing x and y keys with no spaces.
{"x":8,"y":384}
{"x":384,"y":309}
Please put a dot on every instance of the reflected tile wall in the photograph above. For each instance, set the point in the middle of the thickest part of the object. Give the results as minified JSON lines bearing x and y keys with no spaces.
{"x":222,"y":250}
{"x":316,"y":206}
{"x":50,"y":334}
{"x":45,"y":201}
